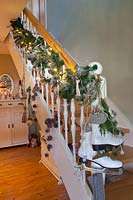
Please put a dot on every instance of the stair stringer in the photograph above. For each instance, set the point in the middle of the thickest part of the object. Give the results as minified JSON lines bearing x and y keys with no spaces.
{"x":43,"y":110}
{"x":60,"y":156}
{"x":64,"y":161}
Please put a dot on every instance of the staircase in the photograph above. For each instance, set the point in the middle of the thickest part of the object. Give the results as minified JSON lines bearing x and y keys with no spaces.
{"x":55,"y":153}
{"x":59,"y":143}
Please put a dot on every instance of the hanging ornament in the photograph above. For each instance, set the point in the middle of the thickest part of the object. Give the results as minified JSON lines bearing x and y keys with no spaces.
{"x":98,"y":117}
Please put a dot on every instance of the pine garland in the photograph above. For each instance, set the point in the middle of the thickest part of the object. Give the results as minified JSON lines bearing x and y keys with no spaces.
{"x":41,"y":55}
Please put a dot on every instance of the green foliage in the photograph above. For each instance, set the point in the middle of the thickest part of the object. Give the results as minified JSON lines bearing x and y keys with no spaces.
{"x":41,"y":55}
{"x":56,"y":59}
{"x":111,"y":124}
{"x":68,"y":85}
{"x":16,"y":23}
{"x":89,"y":84}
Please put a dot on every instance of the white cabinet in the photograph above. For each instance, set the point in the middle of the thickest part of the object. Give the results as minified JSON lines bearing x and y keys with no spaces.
{"x":5,"y":130}
{"x":12,"y":130}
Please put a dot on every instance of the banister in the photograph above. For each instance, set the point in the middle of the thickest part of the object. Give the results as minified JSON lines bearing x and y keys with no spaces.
{"x":68,"y":60}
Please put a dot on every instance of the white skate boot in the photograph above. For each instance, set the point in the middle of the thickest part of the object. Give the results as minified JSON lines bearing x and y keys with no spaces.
{"x":86,"y":152}
{"x":106,"y":162}
{"x":101,"y":142}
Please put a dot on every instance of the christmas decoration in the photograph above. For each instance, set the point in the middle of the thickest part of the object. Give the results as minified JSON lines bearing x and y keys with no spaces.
{"x":82,"y":84}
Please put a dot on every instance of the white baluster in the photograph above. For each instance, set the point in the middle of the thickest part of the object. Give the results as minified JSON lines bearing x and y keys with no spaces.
{"x":84,"y":174}
{"x":42,"y":88}
{"x":30,"y":26}
{"x":29,"y":65}
{"x":73,"y":129}
{"x":38,"y":77}
{"x":81,"y":119}
{"x":28,"y":23}
{"x":58,"y":108}
{"x":47,"y":92}
{"x":47,"y":76}
{"x":63,"y":69}
{"x":65,"y":120}
{"x":24,"y":20}
{"x":52,"y":102}
{"x":22,"y":17}
{"x":77,"y":88}
{"x":41,"y":68}
{"x":34,"y":75}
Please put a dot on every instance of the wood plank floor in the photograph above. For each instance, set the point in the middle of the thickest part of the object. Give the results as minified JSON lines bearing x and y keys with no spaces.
{"x":122,"y":186}
{"x":23,"y":178}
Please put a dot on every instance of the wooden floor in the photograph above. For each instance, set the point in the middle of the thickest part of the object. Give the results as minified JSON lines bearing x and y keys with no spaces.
{"x":121,"y":187}
{"x":23,"y":178}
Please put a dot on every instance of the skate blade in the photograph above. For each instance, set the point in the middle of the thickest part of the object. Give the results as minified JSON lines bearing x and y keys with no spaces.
{"x":118,"y":171}
{"x":106,"y":147}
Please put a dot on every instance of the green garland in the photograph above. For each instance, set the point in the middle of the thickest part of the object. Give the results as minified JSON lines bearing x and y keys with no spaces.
{"x":41,"y":55}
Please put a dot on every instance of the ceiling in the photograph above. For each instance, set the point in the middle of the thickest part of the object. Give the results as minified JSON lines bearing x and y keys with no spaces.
{"x":9,"y":9}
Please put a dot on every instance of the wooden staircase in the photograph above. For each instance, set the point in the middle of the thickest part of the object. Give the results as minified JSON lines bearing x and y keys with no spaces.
{"x":59,"y":153}
{"x":60,"y":159}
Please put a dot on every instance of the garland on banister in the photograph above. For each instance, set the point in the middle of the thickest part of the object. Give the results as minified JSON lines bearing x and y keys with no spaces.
{"x":42,"y":56}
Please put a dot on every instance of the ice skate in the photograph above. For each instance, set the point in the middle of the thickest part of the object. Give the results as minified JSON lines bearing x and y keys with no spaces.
{"x":107,"y":165}
{"x":106,"y":162}
{"x":104,"y":165}
{"x":86,"y":151}
{"x":102,"y":142}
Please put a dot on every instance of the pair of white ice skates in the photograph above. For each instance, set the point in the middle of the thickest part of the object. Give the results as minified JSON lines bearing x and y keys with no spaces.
{"x":92,"y":141}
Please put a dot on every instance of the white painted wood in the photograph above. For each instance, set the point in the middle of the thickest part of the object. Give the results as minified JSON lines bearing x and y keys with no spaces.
{"x":84,"y":174}
{"x":61,"y":155}
{"x":52,"y":102}
{"x":19,"y":129}
{"x":13,"y":131}
{"x":42,"y":88}
{"x":66,"y":121}
{"x":58,"y":108}
{"x":77,"y":88}
{"x":47,"y":93}
{"x":34,"y":75}
{"x":49,"y":161}
{"x":75,"y":187}
{"x":73,"y":128}
{"x":63,"y":68}
{"x":5,"y":131}
{"x":81,"y":119}
{"x":38,"y":77}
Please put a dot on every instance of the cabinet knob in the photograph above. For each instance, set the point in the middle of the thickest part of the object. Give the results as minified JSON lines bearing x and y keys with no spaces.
{"x":12,"y":125}
{"x":8,"y":125}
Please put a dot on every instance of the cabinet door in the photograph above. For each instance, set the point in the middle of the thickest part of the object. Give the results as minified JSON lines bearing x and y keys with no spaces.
{"x":5,"y":127}
{"x":19,"y":129}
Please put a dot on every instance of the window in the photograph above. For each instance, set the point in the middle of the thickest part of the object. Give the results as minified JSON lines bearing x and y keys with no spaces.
{"x":6,"y":85}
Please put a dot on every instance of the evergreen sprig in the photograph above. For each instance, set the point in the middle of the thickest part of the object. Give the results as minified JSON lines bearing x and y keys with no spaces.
{"x":111,"y":124}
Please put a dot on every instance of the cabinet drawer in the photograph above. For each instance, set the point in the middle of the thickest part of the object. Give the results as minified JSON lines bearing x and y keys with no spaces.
{"x":11,"y":104}
{"x":6,"y":104}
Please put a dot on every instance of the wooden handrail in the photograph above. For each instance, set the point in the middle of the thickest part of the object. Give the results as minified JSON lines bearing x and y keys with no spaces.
{"x":68,"y":60}
{"x":125,"y":130}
